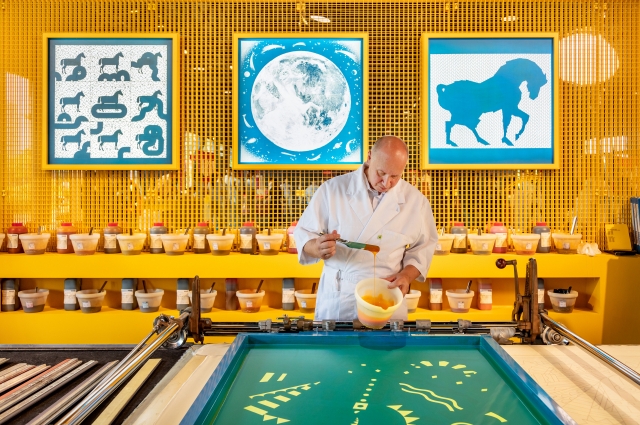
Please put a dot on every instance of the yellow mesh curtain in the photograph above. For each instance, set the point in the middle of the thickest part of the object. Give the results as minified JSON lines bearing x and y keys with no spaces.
{"x":600,"y":114}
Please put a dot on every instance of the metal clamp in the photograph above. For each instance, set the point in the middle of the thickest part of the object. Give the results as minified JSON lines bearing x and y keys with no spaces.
{"x":463,"y":325}
{"x":265,"y":325}
{"x":328,"y":325}
{"x":423,"y":326}
{"x":396,"y":325}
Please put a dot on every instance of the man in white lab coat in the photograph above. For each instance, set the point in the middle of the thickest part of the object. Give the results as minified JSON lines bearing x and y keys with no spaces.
{"x":371,"y":205}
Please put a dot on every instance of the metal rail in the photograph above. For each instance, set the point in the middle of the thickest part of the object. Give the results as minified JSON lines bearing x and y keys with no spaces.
{"x":113,"y":382}
{"x":602,"y":355}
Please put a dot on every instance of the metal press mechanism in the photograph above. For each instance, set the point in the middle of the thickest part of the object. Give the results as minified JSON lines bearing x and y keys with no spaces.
{"x":530,"y":324}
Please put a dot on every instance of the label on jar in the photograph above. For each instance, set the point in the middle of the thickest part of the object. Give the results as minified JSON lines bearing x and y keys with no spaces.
{"x":31,"y":246}
{"x":127,"y":296}
{"x":86,"y":304}
{"x":8,"y":296}
{"x":215,"y":246}
{"x":176,"y":246}
{"x":486,"y":296}
{"x":436,"y":296}
{"x":438,"y":247}
{"x":459,"y":241}
{"x":80,"y":246}
{"x":129,"y":246}
{"x":292,"y":241}
{"x":156,"y":241}
{"x":70,"y":296}
{"x":12,"y":240}
{"x":485,"y":246}
{"x":540,"y":296}
{"x":62,"y":242}
{"x":246,"y":241}
{"x":267,"y":245}
{"x":460,"y":304}
{"x":28,"y":304}
{"x":545,"y":239}
{"x":288,"y":295}
{"x":249,"y":304}
{"x":527,"y":246}
{"x":562,"y":303}
{"x":145,"y":304}
{"x":303,"y":304}
{"x":566,"y":245}
{"x":198,"y":241}
{"x":501,"y":240}
{"x":109,"y":242}
{"x":182,"y":296}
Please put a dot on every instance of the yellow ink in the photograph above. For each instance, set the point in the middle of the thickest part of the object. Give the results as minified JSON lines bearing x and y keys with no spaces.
{"x":498,"y":417}
{"x":458,"y":366}
{"x":459,"y":383}
{"x":442,"y":363}
{"x":484,"y":390}
{"x":428,"y":399}
{"x":256,"y":410}
{"x":266,"y":377}
{"x":455,"y":404}
{"x":282,"y":390}
{"x":379,"y":300}
{"x":269,"y":404}
{"x":434,"y":376}
{"x":470,"y":372}
{"x":426,"y":363}
{"x":282,"y":398}
{"x":294,"y":393}
{"x":282,"y":377}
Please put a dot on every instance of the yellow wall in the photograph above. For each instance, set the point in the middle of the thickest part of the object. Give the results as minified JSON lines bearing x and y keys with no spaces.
{"x":599,"y":56}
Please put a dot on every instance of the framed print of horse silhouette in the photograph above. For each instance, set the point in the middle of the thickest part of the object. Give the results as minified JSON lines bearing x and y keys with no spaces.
{"x":490,"y":100}
{"x":111,"y":102}
{"x":299,"y":100}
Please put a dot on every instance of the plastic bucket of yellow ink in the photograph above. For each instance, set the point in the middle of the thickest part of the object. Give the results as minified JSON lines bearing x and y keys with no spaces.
{"x":376,"y":304}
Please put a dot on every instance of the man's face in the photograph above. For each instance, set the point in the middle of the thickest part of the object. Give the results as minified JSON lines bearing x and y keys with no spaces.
{"x":385,"y":169}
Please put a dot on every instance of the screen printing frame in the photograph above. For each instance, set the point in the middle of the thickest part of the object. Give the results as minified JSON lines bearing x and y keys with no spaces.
{"x":216,"y":388}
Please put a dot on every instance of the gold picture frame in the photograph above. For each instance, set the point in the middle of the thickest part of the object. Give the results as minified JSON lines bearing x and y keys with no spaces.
{"x":297,"y":128}
{"x":128,"y":119}
{"x":467,"y":79}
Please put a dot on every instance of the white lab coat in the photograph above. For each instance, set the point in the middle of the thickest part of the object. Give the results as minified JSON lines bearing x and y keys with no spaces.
{"x":402,"y":219}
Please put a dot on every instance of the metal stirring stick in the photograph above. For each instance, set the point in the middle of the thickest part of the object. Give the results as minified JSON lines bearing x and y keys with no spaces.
{"x":356,"y":245}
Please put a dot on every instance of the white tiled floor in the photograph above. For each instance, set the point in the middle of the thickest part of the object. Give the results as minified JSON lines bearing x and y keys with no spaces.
{"x":585,"y":387}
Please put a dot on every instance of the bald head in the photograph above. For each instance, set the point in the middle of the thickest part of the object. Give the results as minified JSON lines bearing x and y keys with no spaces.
{"x":386,"y":161}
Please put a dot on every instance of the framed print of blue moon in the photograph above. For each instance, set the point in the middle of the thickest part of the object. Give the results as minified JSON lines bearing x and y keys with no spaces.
{"x":299,"y":100}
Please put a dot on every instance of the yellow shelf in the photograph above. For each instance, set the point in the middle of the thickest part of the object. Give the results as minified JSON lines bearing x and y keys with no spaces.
{"x":115,"y":326}
{"x":109,"y":266}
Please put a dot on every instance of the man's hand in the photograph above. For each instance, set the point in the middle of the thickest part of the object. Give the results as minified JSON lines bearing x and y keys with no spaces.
{"x":403,"y":279}
{"x":323,"y":247}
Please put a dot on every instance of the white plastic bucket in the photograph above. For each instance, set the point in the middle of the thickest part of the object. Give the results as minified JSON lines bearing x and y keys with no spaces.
{"x":563,"y":303}
{"x":84,"y":243}
{"x":526,"y":243}
{"x":174,"y":244}
{"x":269,"y":244}
{"x":131,"y":244}
{"x":459,"y":300}
{"x":565,"y":243}
{"x":219,"y":244}
{"x":443,"y":246}
{"x":306,"y":300}
{"x":32,"y":301}
{"x":149,"y":302}
{"x":33,"y":243}
{"x":373,"y":316}
{"x":250,"y":301}
{"x":411,"y":299}
{"x":482,"y":244}
{"x":90,"y":300}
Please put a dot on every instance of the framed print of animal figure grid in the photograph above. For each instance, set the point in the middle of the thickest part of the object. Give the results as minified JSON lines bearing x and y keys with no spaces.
{"x":490,"y":101}
{"x":111,"y":102}
{"x":299,"y":100}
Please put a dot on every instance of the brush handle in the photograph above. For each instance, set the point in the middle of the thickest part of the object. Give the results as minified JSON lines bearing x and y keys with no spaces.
{"x":231,"y":302}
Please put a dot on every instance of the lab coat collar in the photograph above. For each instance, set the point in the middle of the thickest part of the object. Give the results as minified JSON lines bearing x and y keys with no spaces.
{"x":372,"y":221}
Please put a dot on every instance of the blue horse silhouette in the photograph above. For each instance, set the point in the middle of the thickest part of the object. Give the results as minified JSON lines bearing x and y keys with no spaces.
{"x":468,"y":100}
